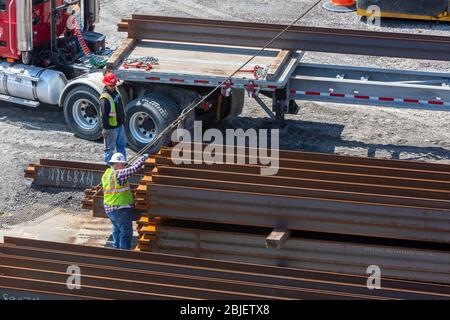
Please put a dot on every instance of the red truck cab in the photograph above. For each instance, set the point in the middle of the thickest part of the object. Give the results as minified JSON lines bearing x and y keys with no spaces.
{"x":26,"y":25}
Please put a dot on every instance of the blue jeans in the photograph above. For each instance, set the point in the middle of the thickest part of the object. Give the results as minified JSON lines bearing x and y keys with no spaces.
{"x":116,"y":139}
{"x":122,"y":230}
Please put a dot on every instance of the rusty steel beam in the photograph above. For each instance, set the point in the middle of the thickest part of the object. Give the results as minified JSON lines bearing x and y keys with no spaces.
{"x":299,"y":213}
{"x":383,"y":188}
{"x":297,"y":192}
{"x":360,"y":42}
{"x":318,"y":157}
{"x":311,"y":192}
{"x":112,"y":274}
{"x":70,"y":174}
{"x":308,"y":172}
{"x":235,"y":243}
{"x":324,"y":162}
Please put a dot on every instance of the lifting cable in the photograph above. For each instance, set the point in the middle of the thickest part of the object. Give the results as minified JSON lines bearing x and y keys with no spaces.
{"x":193,"y":106}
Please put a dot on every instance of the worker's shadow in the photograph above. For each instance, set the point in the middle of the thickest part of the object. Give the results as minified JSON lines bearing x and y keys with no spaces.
{"x":109,"y":242}
{"x":321,"y":137}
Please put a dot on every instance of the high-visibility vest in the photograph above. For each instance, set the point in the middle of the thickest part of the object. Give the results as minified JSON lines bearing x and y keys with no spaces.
{"x":115,"y":194}
{"x":112,"y":116}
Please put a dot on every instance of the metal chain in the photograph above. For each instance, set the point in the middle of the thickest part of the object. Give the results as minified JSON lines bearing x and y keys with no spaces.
{"x":151,"y":60}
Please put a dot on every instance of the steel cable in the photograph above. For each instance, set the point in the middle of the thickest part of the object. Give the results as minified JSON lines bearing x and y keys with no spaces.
{"x":193,"y":106}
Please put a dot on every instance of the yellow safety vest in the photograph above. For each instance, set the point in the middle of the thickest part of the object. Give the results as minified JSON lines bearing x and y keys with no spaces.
{"x":112,"y":116}
{"x":115,"y":194}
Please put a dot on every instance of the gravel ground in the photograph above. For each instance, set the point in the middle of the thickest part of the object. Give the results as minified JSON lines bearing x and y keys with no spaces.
{"x":27,"y":135}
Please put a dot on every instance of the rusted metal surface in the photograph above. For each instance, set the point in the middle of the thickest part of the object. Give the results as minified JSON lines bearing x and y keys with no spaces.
{"x":247,"y":34}
{"x":234,"y":243}
{"x":311,"y":192}
{"x":41,"y":267}
{"x":397,"y":202}
{"x":299,"y":213}
{"x":69,"y":174}
{"x":9,"y":293}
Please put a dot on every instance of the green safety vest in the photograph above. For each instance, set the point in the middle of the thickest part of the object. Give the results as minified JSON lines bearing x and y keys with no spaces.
{"x":112,"y":117}
{"x":113,"y":193}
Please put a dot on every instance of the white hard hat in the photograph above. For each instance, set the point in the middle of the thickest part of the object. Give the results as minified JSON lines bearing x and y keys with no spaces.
{"x":117,"y":158}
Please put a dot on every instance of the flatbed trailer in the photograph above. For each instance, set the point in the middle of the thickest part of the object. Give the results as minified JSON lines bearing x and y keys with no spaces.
{"x":167,"y":63}
{"x":186,"y":71}
{"x":208,"y":65}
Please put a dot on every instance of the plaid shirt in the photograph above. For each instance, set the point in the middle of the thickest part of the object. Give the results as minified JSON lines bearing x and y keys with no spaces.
{"x":122,"y":176}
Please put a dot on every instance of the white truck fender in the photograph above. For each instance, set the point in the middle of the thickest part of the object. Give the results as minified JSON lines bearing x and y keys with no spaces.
{"x":93,"y":80}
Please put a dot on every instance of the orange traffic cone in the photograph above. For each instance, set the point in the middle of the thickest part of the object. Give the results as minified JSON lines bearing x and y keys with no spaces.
{"x":340,"y":5}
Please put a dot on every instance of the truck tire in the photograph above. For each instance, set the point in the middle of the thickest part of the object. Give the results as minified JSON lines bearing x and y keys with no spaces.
{"x":82,"y":112}
{"x":146,"y":118}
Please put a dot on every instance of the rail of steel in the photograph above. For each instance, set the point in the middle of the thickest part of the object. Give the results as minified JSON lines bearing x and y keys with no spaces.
{"x":361,"y":42}
{"x":302,"y":81}
{"x":70,"y":174}
{"x":38,"y":269}
{"x":302,"y":250}
{"x":311,"y":192}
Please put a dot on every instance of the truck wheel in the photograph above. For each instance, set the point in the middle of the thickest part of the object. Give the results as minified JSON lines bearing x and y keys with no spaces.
{"x":82,"y":112}
{"x":146,"y":118}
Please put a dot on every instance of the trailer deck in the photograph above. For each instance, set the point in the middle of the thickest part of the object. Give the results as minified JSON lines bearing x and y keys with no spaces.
{"x":196,"y":63}
{"x":204,"y":64}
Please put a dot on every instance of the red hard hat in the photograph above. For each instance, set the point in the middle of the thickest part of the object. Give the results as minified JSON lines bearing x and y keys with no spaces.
{"x":110,"y":79}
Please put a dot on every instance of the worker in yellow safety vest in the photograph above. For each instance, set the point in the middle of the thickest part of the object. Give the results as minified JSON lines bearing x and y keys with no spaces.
{"x":112,"y":109}
{"x":118,"y":200}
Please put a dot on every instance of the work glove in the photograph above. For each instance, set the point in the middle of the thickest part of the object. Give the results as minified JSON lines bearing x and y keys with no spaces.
{"x":105,"y":133}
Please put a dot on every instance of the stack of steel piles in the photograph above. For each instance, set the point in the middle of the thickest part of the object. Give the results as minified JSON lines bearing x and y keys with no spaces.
{"x":44,"y":270}
{"x":341,"y":212}
{"x":337,"y":212}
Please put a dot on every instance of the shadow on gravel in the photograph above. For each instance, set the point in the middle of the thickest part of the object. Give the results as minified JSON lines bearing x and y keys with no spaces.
{"x":435,"y":153}
{"x":414,"y":25}
{"x":326,"y":137}
{"x":44,"y":117}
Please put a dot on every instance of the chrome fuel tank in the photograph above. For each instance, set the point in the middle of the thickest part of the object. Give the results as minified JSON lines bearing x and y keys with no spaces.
{"x":30,"y":82}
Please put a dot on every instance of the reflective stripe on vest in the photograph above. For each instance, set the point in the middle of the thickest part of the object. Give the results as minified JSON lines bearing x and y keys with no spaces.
{"x":112,"y":116}
{"x":113,"y":193}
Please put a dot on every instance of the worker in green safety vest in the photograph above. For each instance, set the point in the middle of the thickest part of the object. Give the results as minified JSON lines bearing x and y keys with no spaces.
{"x":113,"y":117}
{"x":118,"y":200}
